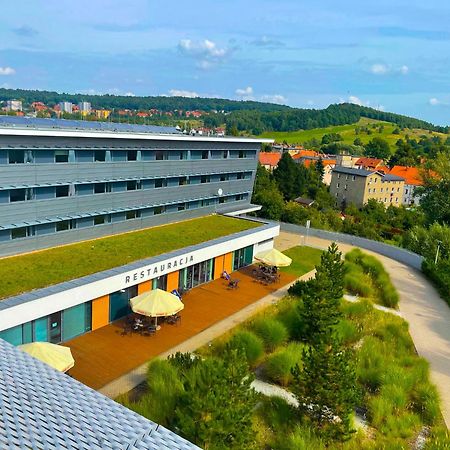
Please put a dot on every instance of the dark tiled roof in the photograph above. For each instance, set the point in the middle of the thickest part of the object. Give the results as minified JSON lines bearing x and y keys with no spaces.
{"x":352,"y":171}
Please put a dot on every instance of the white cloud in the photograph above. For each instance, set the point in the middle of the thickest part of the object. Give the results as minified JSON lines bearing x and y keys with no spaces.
{"x":310,"y":102}
{"x":244,"y":93}
{"x":434,"y":101}
{"x":206,"y":52}
{"x":274,"y":98}
{"x":404,"y":70}
{"x":355,"y":100}
{"x":7,"y":71}
{"x":129,"y":94}
{"x":182,"y":93}
{"x":379,"y":69}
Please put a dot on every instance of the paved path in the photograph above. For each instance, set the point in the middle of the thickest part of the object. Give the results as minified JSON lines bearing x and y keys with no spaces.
{"x":133,"y":378}
{"x":355,"y":298}
{"x":420,"y":305}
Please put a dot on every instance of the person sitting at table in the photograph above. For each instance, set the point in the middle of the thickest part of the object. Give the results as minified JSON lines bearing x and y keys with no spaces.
{"x":138,"y":323}
{"x":226,"y":275}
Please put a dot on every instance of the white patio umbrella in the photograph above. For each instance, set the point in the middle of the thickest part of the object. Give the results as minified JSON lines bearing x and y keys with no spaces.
{"x":156,"y":303}
{"x":274,"y":257}
{"x":56,"y":356}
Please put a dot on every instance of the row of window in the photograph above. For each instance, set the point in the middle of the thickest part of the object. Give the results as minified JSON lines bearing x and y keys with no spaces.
{"x":48,"y":192}
{"x":27,"y":156}
{"x":373,"y":190}
{"x":103,"y":219}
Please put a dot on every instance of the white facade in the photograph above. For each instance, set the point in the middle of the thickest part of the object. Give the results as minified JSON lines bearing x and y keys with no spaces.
{"x":84,"y":107}
{"x":65,"y":107}
{"x":14,"y":105}
{"x":408,"y":195}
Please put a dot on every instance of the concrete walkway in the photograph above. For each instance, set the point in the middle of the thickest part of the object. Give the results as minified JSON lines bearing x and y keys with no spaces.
{"x":135,"y":377}
{"x":420,"y":305}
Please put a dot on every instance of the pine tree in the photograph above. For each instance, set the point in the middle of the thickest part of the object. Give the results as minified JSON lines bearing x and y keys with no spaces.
{"x":216,"y":408}
{"x":326,"y":387}
{"x":285,"y":175}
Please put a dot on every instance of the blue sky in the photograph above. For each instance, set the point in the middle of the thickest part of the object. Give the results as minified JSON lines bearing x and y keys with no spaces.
{"x":389,"y":54}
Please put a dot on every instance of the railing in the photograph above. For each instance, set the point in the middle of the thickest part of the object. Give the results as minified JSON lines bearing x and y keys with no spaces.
{"x":399,"y":254}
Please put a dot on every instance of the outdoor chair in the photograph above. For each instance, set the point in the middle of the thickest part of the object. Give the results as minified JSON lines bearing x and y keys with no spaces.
{"x":233,"y":284}
{"x":176,"y":293}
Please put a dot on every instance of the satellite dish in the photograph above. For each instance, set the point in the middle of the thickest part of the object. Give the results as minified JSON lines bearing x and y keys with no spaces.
{"x":219,"y":191}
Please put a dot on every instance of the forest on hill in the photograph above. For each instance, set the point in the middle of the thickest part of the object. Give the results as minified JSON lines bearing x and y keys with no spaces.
{"x":241,"y":116}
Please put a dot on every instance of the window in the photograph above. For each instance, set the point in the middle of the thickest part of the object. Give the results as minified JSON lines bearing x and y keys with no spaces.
{"x":239,"y":197}
{"x":65,"y":225}
{"x":62,"y":191}
{"x":242,"y":154}
{"x":159,"y":210}
{"x":160,"y":182}
{"x":240,"y":175}
{"x":132,"y":155}
{"x":19,"y":195}
{"x":100,"y":155}
{"x":205,"y":179}
{"x":205,"y":154}
{"x":160,"y":155}
{"x":132,"y":215}
{"x":381,"y":189}
{"x":353,"y":178}
{"x":182,"y":155}
{"x":345,"y":187}
{"x":369,"y":190}
{"x":76,"y":320}
{"x":221,"y":200}
{"x":224,"y":177}
{"x":102,"y":219}
{"x":61,"y":156}
{"x":16,"y":156}
{"x":337,"y":186}
{"x":181,"y":206}
{"x":133,"y":185}
{"x":182,"y":181}
{"x":99,"y":188}
{"x":22,"y":232}
{"x":225,"y":154}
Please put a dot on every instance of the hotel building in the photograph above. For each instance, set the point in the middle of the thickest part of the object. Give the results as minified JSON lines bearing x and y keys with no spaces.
{"x":66,"y":181}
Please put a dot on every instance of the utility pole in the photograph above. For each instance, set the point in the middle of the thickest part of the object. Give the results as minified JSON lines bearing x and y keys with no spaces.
{"x":437,"y":252}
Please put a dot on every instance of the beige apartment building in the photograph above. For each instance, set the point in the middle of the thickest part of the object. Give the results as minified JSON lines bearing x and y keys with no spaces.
{"x":358,"y":186}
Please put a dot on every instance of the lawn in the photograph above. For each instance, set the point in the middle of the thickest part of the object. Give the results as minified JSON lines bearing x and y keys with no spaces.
{"x":47,"y":267}
{"x":349,"y":135}
{"x":304,"y":259}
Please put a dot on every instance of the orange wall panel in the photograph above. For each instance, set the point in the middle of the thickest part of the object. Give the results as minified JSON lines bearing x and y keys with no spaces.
{"x":144,"y":287}
{"x":227,"y":263}
{"x":100,"y":312}
{"x":172,"y":281}
{"x":218,"y":266}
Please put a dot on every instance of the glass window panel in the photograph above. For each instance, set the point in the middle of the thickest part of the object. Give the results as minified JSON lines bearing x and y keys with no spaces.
{"x":118,"y":305}
{"x":99,"y":155}
{"x":55,"y":327}
{"x":41,"y":329}
{"x":27,"y":333}
{"x":61,"y":156}
{"x":73,"y":321}
{"x":12,"y":335}
{"x":88,"y":316}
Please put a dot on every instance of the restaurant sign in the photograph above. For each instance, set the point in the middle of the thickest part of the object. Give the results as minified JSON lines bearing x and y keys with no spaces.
{"x":157,"y":269}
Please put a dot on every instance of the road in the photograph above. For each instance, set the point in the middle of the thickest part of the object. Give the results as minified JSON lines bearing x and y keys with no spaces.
{"x":420,"y":305}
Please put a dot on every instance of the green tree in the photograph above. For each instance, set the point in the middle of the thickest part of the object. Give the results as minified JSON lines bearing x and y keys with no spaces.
{"x":320,"y":169}
{"x":267,"y":195}
{"x":320,"y":309}
{"x":286,"y":176}
{"x":378,"y":148}
{"x":358,"y":142}
{"x":326,"y":387}
{"x":215,"y":409}
{"x":404,"y":155}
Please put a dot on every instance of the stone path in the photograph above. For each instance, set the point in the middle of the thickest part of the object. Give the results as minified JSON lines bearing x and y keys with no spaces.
{"x":420,"y":305}
{"x":355,"y":298}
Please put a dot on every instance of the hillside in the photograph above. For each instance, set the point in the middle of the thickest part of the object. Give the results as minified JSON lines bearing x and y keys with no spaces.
{"x":350,"y":132}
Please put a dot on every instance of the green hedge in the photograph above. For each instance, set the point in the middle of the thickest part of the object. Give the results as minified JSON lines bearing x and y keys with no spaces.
{"x":271,"y":331}
{"x":440,"y":276}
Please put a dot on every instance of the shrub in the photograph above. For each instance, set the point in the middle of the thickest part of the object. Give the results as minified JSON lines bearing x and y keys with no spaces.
{"x":251,"y":345}
{"x":164,"y":390}
{"x":271,"y":331}
{"x":348,"y":331}
{"x":302,"y":438}
{"x":278,"y":366}
{"x":403,"y":425}
{"x":289,"y":316}
{"x":425,"y":402}
{"x":357,"y":285}
{"x":371,"y":364}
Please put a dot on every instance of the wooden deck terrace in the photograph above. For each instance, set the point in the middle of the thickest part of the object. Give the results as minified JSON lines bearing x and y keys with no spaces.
{"x":103,"y":355}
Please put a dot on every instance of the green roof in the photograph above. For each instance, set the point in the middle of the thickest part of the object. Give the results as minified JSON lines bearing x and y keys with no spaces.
{"x":44,"y":268}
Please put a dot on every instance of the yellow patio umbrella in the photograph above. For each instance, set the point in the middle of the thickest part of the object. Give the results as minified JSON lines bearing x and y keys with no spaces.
{"x":56,"y":356}
{"x":274,"y":258}
{"x":156,"y":303}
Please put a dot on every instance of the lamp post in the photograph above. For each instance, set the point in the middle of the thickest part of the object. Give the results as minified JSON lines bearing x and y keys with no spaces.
{"x":437,"y":252}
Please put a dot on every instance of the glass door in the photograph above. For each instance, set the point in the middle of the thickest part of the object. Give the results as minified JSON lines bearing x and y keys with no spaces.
{"x":55,"y":327}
